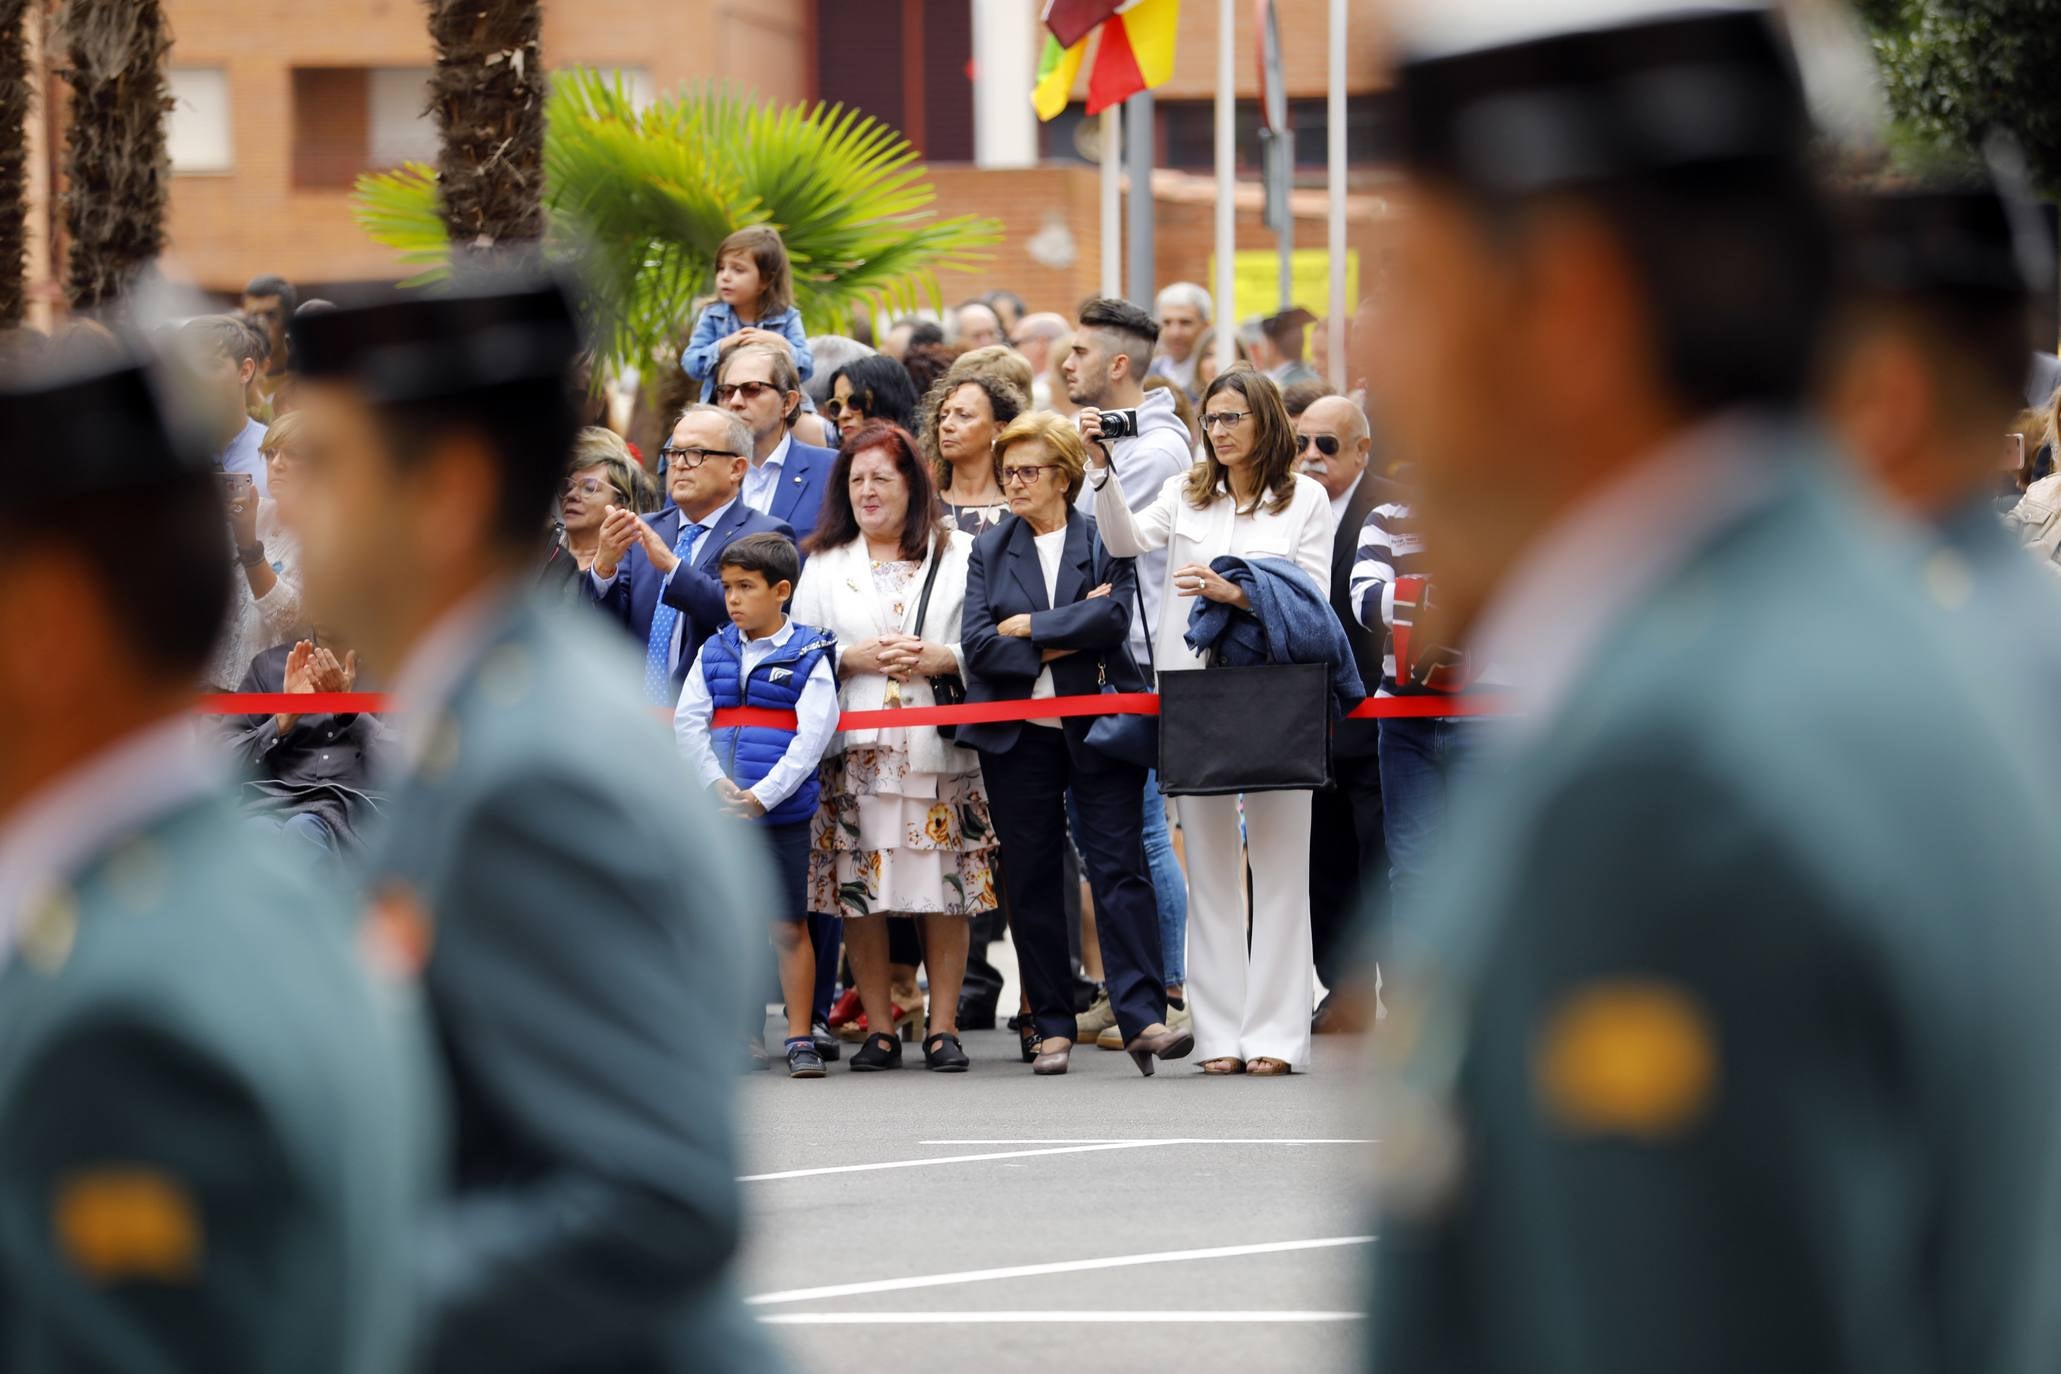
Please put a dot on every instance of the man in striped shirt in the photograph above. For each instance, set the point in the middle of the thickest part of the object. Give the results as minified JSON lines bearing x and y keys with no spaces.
{"x":1391,"y":585}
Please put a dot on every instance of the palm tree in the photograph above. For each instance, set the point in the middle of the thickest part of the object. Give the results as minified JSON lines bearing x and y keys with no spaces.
{"x":639,"y":199}
{"x":117,"y":170}
{"x":15,"y":92}
{"x":488,"y":98}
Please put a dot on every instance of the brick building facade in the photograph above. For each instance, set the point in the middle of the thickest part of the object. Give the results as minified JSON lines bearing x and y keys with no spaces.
{"x":281,"y":103}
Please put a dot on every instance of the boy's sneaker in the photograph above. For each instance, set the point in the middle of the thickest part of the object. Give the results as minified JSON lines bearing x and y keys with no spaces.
{"x":802,"y":1059}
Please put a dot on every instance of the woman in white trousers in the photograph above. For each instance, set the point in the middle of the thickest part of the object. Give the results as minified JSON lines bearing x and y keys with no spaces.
{"x":1252,"y":1011}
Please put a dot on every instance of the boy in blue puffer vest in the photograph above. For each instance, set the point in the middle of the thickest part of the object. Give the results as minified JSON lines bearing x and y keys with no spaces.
{"x":766,"y":771}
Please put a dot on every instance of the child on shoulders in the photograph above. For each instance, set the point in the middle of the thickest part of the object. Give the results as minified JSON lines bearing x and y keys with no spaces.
{"x":754,"y":304}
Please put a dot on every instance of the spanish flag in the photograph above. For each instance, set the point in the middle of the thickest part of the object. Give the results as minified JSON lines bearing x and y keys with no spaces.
{"x":1136,"y":53}
{"x":1056,"y":71}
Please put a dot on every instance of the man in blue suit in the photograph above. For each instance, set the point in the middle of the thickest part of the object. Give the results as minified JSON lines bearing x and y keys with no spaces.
{"x":759,"y":385}
{"x":657,"y":574}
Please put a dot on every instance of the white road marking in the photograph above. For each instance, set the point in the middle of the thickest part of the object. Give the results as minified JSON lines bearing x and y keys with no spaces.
{"x":948,"y":1159}
{"x":1158,"y":1140}
{"x":1023,"y":1271}
{"x":1056,"y":1318}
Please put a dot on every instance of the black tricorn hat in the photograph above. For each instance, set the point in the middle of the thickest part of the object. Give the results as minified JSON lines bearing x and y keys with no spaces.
{"x":402,"y":346}
{"x":93,"y":428}
{"x":1522,"y":106}
{"x":1959,"y":242}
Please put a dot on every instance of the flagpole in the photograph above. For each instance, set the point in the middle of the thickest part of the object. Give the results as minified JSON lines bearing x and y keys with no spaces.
{"x":1227,"y":186}
{"x":1112,"y":202}
{"x":1334,"y":323}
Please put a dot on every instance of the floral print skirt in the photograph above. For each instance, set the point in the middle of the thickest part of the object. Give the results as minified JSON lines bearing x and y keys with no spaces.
{"x":889,"y":840}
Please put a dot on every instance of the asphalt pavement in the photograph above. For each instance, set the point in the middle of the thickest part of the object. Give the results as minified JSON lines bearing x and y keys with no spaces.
{"x":987,"y":1221}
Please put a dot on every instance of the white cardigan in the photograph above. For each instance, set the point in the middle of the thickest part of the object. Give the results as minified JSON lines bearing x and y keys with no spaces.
{"x":837,"y":594}
{"x":1301,"y":533}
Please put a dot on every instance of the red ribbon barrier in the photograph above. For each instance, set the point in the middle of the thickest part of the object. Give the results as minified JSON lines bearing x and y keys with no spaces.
{"x":1051,"y":708}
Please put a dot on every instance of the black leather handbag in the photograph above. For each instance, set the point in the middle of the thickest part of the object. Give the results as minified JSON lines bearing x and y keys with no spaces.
{"x":1265,"y":728}
{"x":1133,"y":739}
{"x":945,"y":691}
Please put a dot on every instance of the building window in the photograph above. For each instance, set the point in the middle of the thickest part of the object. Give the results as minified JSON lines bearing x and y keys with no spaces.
{"x":1186,"y":134}
{"x":198,"y":132}
{"x":351,"y":120}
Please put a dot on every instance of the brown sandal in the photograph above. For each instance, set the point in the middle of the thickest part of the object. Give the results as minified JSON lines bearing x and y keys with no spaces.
{"x":1220,"y":1067}
{"x":1269,"y":1068}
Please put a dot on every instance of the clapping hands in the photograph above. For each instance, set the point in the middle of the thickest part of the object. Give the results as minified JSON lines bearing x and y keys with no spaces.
{"x":311,"y":669}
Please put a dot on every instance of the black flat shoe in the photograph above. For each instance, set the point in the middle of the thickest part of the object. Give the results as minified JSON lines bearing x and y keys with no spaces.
{"x":942,"y":1054}
{"x":1028,"y":1040}
{"x":879,"y":1052}
{"x":828,"y":1046}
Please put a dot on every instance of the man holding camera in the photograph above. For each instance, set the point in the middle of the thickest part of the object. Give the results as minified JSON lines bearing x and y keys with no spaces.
{"x":1147,"y":443}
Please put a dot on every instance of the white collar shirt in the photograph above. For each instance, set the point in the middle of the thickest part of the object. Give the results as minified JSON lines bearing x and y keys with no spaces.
{"x":762,"y":480}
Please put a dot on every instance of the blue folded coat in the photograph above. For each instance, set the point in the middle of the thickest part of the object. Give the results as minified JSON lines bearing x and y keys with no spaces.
{"x":1291,"y":621}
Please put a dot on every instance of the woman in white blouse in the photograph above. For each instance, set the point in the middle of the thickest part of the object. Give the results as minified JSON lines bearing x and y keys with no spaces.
{"x":1252,"y":1010}
{"x":903,"y":829}
{"x":266,"y":607}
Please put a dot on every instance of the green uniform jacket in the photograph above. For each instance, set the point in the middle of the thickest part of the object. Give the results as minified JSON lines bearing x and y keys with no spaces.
{"x":1737,"y":1050}
{"x":213,"y":1145}
{"x":595,"y":933}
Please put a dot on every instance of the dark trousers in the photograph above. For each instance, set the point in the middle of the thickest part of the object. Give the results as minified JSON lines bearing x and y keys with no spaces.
{"x":1027,"y":790}
{"x":826,"y":933}
{"x":1418,"y":759}
{"x":1348,"y":866}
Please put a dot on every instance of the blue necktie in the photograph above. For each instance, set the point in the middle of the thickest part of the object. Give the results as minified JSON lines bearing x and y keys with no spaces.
{"x":658,"y":680}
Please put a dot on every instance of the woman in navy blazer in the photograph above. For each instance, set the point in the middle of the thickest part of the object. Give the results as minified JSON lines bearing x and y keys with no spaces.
{"x":1048,"y":613}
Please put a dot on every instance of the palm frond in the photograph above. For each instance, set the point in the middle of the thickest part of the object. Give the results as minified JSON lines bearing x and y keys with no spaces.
{"x":639,"y":200}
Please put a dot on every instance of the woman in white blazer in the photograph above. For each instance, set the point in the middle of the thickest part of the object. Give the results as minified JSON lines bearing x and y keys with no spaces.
{"x":1252,"y":1010}
{"x":903,"y":829}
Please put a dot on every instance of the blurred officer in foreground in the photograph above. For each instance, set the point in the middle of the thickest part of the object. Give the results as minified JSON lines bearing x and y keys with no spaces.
{"x":585,"y":953}
{"x":1731,"y":1043}
{"x":212,"y":1149}
{"x":1933,"y":353}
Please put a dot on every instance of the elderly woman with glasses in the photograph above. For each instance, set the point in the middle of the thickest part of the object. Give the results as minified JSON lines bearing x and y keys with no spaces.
{"x":1048,"y":613}
{"x":601,"y":473}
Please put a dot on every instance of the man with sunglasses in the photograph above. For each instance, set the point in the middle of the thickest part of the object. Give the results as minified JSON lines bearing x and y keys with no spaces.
{"x":759,"y":385}
{"x":1348,"y":855}
{"x":657,"y":574}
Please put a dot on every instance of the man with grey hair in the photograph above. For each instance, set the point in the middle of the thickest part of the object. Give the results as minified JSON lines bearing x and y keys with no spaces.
{"x":656,"y":574}
{"x":1183,"y":310}
{"x":976,"y":325}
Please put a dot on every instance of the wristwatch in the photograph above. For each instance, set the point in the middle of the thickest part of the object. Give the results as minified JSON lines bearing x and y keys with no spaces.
{"x":252,"y":556}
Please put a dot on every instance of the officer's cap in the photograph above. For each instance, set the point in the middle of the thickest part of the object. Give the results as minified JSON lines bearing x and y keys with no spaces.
{"x":1512,"y":97}
{"x":406,"y":346}
{"x":93,"y":425}
{"x":1961,"y":242}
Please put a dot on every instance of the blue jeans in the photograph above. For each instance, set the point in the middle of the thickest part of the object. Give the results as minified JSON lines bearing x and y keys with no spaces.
{"x":1169,"y":883}
{"x":1418,"y":758}
{"x":311,"y":828}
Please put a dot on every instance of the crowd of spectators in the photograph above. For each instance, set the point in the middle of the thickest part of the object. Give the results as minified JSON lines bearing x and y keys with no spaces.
{"x":968,"y":518}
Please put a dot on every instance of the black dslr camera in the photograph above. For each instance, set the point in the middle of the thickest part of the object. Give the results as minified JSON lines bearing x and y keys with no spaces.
{"x":1119,"y":424}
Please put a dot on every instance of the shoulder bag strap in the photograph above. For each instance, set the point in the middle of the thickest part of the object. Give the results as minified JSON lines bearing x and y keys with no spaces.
{"x":937,"y":556}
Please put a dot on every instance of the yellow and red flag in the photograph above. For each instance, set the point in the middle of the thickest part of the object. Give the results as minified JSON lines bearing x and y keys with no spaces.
{"x":1135,"y":54}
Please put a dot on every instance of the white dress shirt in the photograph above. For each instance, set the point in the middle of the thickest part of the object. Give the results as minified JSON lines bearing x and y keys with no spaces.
{"x":242,"y":455}
{"x":693,"y":553}
{"x":762,"y":480}
{"x":815,"y":718}
{"x":66,"y":822}
{"x":1051,"y":550}
{"x":1339,"y":503}
{"x":1581,"y":577}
